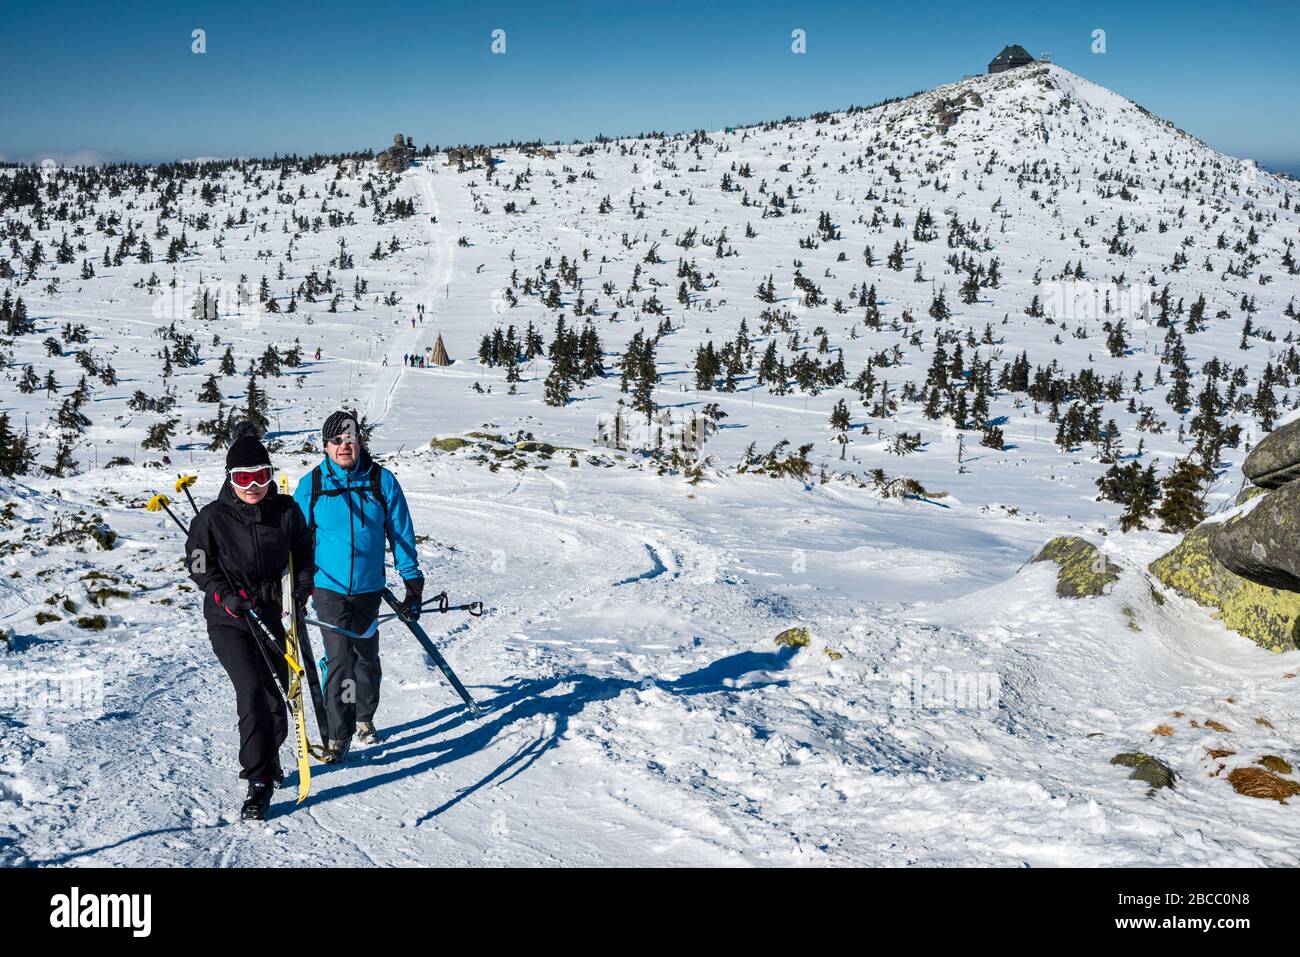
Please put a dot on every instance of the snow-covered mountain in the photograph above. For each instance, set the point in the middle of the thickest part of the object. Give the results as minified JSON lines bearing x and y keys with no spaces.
{"x":1045,"y":258}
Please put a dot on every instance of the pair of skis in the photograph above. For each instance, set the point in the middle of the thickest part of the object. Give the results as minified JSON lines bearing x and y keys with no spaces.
{"x":301,"y":661}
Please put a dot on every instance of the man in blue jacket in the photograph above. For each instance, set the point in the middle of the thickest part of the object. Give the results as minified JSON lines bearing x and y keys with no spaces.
{"x":355,"y":507}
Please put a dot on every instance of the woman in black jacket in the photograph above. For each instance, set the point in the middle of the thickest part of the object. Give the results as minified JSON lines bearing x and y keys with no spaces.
{"x":237,"y":549}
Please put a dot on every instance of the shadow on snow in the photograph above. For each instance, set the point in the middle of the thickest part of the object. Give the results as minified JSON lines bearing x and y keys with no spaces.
{"x":557,"y":700}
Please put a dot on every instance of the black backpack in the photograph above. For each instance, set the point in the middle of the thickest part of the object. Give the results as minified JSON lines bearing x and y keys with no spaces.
{"x":375,"y":488}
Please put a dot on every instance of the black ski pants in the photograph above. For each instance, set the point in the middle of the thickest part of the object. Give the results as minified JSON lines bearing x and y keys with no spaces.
{"x":351,"y":670}
{"x":263,"y":718}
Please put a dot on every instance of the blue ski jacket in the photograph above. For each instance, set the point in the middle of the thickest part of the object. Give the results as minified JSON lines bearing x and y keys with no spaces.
{"x":354,"y":515}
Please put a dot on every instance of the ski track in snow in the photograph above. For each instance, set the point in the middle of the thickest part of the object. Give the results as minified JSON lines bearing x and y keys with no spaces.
{"x":441,"y":256}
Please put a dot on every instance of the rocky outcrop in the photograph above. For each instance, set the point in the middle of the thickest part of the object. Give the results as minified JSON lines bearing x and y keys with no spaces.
{"x":1261,"y":542}
{"x":1265,"y":615}
{"x":1083,"y":572}
{"x":397,"y":157}
{"x":1276,"y":460}
{"x":465,"y":157}
{"x":1245,"y":563}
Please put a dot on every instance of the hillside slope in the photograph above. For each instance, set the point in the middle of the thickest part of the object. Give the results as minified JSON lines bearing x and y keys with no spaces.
{"x":948,"y":709}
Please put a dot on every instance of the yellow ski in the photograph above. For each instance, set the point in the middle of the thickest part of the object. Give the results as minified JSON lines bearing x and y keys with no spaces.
{"x":293,"y":653}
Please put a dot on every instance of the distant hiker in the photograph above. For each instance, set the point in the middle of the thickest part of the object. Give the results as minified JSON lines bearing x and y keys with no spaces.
{"x":385,"y":362}
{"x":318,"y":353}
{"x":237,"y":548}
{"x":355,"y":507}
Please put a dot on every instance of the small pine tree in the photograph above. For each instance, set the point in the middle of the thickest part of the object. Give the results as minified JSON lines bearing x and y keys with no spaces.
{"x":256,"y":406}
{"x":15,"y":456}
{"x":64,"y":463}
{"x":558,"y":387}
{"x":160,"y":435}
{"x":1134,"y":487}
{"x":840,"y":416}
{"x":1183,"y":504}
{"x":210,"y":392}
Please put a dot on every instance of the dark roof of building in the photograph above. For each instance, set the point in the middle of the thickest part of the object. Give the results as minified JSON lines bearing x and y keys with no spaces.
{"x":1012,"y":54}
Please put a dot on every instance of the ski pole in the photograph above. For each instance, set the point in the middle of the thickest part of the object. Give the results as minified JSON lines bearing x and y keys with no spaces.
{"x":326,"y":626}
{"x":160,"y":503}
{"x":183,"y":484}
{"x":263,"y":640}
{"x":475,"y":608}
{"x":436,"y":603}
{"x":475,"y":709}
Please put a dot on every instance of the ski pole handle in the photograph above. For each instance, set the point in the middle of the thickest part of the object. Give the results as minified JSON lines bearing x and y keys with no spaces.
{"x":183,"y":485}
{"x":162,"y":503}
{"x":475,"y":608}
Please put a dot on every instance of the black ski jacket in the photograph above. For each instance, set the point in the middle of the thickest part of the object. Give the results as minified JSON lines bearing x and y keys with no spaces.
{"x":232,"y":543}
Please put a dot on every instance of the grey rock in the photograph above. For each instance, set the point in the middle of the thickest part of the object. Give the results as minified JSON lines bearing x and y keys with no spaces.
{"x":1276,"y":460}
{"x":1263,"y":545}
{"x":1146,"y":768}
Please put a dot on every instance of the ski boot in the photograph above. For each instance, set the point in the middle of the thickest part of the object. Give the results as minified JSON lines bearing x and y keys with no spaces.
{"x":277,"y":776}
{"x":258,"y":800}
{"x":339,"y":749}
{"x":366,"y":733}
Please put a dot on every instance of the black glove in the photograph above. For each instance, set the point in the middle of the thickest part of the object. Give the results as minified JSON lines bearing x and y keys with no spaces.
{"x":236,"y":604}
{"x":300,"y":596}
{"x":412,"y":599}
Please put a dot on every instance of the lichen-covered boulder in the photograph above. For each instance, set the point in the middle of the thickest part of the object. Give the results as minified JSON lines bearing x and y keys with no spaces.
{"x":1276,"y":460}
{"x":797,"y":637}
{"x":1083,"y":572}
{"x":1146,"y":768}
{"x":1266,"y":616}
{"x":448,"y":444}
{"x":1247,"y":493}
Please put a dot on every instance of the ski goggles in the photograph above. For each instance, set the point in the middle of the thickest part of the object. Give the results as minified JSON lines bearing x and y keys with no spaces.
{"x":256,"y":477}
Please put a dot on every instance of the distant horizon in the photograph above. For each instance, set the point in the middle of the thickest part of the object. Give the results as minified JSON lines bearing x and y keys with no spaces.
{"x":108,"y":88}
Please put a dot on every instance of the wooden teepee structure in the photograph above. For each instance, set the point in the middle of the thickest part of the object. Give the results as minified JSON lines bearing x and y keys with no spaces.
{"x":440,"y":357}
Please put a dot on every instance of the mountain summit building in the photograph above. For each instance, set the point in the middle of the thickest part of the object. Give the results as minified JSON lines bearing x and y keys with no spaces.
{"x":1011,"y":56}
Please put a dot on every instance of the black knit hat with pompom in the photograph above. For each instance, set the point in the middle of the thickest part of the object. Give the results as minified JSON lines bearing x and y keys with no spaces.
{"x":247,"y":452}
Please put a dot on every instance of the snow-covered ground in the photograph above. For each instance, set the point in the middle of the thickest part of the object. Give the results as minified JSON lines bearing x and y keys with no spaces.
{"x":949,"y":709}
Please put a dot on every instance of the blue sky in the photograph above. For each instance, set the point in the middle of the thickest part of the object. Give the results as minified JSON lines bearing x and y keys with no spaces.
{"x":119,"y":80}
